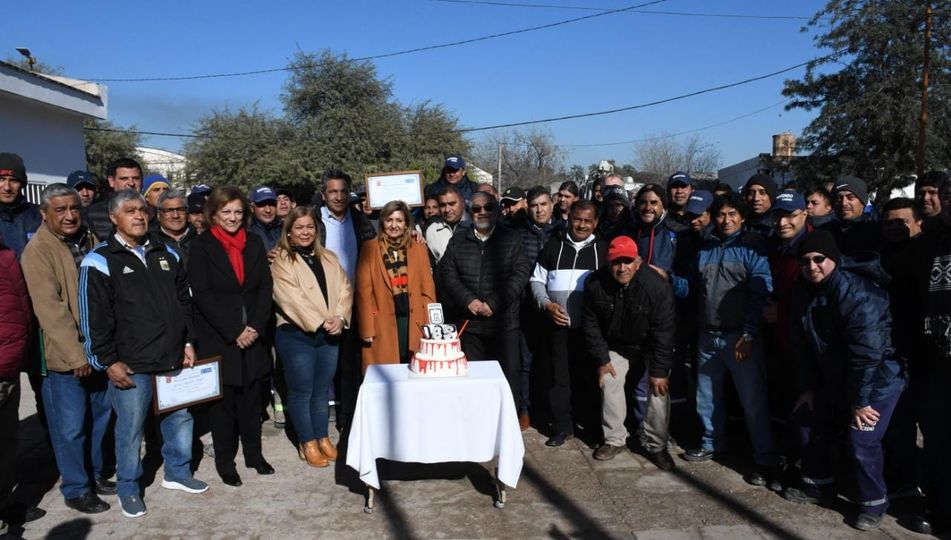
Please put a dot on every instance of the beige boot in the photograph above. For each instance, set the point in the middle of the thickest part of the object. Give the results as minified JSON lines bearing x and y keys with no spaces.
{"x":315,"y":458}
{"x":327,"y":448}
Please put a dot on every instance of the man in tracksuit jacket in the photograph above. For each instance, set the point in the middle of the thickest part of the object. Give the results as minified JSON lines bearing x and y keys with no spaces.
{"x":135,"y":316}
{"x":629,"y":328}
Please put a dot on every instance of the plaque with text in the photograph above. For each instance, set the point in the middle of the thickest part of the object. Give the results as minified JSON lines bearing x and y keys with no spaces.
{"x":185,"y":387}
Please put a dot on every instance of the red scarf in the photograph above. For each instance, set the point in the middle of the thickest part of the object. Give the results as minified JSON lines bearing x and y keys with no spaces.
{"x":234,"y":248}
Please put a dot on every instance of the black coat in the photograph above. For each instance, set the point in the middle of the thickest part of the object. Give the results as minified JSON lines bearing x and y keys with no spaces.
{"x":223,"y":307}
{"x":494,"y":272}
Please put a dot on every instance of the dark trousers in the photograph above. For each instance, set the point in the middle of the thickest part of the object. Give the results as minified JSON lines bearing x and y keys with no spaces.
{"x":936,"y":429}
{"x":237,"y":415}
{"x":501,"y":346}
{"x":817,"y":431}
{"x":901,"y":439}
{"x":348,"y":378}
{"x":9,"y":421}
{"x":573,"y":394}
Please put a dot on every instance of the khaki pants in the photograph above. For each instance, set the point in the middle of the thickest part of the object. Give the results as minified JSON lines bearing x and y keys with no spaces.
{"x":654,"y":432}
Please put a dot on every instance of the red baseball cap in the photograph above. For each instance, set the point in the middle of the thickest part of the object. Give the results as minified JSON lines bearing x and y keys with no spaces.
{"x":622,"y":247}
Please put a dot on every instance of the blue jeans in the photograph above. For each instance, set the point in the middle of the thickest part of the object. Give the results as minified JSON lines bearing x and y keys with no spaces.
{"x":310,"y":361}
{"x":716,"y":357}
{"x":132,"y":406}
{"x":78,"y":412}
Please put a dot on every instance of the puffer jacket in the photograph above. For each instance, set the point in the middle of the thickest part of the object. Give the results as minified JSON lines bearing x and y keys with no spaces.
{"x":843,"y":335}
{"x":656,"y":243}
{"x":636,"y":321}
{"x":18,"y":222}
{"x":492,"y":271}
{"x":16,"y":323}
{"x":862,"y":235}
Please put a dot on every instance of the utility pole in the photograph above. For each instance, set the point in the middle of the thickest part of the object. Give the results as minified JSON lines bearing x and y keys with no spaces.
{"x":500,"y":167}
{"x":923,"y":117}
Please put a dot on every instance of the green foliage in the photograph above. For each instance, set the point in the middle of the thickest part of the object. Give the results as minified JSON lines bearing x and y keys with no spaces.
{"x":337,"y":114}
{"x":868,"y":92}
{"x":104,"y":147}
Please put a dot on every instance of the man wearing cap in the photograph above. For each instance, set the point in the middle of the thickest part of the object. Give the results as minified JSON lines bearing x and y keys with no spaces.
{"x":452,"y":209}
{"x":196,"y":211}
{"x":264,"y":221}
{"x":790,"y":223}
{"x":72,"y":391}
{"x":679,"y":189}
{"x":454,"y":174}
{"x":615,"y":219}
{"x":173,"y":229}
{"x":153,"y":186}
{"x":514,"y":205}
{"x":853,"y":229}
{"x":847,"y":373}
{"x":285,"y":202}
{"x":123,"y":173}
{"x":85,"y":184}
{"x":19,"y":218}
{"x":481,"y":279}
{"x":628,"y":322}
{"x":759,"y":192}
{"x":733,"y":281}
{"x":557,"y":287}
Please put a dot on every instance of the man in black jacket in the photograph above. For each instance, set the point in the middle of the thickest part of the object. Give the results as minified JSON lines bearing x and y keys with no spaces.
{"x":481,"y":278}
{"x":629,"y":328}
{"x":135,"y":316}
{"x":124,"y":173}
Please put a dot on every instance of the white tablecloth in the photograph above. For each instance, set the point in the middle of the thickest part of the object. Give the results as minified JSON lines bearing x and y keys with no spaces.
{"x":435,"y":420}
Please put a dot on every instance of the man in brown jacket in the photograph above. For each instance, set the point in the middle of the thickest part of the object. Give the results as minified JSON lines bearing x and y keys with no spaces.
{"x":72,"y":389}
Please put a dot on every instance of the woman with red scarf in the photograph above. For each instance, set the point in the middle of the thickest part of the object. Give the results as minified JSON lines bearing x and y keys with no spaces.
{"x":231,"y":289}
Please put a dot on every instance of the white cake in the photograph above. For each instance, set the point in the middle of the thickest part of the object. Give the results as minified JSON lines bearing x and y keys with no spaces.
{"x":440,"y":350}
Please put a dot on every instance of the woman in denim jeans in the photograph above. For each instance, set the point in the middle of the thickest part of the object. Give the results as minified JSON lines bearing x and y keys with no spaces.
{"x":314,"y":299}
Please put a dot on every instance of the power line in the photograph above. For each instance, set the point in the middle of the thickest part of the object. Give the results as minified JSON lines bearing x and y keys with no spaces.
{"x":541,"y":121}
{"x":642,"y":11}
{"x":383,"y":55}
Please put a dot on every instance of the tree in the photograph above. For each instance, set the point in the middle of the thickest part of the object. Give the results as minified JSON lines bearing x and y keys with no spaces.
{"x":529,"y":158}
{"x":105,"y":143}
{"x":662,"y":155}
{"x":867,"y":121}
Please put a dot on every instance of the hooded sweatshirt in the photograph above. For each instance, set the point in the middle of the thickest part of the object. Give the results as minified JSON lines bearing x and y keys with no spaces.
{"x":561,"y":270}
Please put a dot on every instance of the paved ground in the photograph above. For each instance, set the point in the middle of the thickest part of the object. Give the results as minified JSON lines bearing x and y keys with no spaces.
{"x":562,"y":493}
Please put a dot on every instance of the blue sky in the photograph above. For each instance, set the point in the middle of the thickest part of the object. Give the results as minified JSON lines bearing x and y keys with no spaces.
{"x":607,"y":62}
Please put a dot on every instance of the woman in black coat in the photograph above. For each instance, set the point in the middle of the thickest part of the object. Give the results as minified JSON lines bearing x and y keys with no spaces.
{"x":231,"y":289}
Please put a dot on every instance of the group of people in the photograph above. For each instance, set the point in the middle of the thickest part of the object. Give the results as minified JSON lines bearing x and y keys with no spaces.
{"x":830,"y":322}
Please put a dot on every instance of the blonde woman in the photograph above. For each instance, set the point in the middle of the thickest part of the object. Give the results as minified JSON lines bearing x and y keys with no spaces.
{"x":394,"y":284}
{"x":314,"y":298}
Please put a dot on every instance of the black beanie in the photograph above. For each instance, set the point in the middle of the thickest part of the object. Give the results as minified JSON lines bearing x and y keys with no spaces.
{"x":819,"y":242}
{"x":762,"y":180}
{"x":853,"y":184}
{"x":12,"y":165}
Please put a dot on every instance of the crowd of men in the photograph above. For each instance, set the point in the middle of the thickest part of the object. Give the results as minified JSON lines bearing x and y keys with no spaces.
{"x":815,"y":317}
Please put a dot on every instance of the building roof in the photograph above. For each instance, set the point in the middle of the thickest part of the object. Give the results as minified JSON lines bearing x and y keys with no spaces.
{"x":83,"y":97}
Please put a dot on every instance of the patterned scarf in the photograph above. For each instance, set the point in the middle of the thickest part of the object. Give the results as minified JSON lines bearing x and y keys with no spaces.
{"x":938,"y":305}
{"x":233,"y":245}
{"x":394,"y":259}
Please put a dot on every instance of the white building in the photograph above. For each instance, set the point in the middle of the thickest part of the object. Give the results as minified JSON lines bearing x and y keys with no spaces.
{"x":42,"y":118}
{"x":168,"y":164}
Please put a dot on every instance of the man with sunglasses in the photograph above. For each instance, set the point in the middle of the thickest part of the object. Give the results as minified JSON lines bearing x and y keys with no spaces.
{"x":847,"y":373}
{"x":481,"y":279}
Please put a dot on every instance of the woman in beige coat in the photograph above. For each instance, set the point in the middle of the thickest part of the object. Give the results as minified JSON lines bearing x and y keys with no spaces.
{"x":394,"y":284}
{"x":314,"y":299}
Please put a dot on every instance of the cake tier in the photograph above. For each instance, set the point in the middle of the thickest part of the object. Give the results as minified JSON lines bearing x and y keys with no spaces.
{"x":423,"y":366}
{"x":444,"y":349}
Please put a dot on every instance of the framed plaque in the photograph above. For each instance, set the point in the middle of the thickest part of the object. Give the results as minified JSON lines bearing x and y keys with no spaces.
{"x":406,"y":186}
{"x":185,"y":387}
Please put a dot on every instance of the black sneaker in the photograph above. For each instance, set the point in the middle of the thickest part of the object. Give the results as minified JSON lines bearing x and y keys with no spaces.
{"x":800,"y":496}
{"x":765,"y":476}
{"x":918,"y":523}
{"x":105,"y":487}
{"x":88,"y":503}
{"x":662,"y":460}
{"x":868,"y":521}
{"x":558,"y":439}
{"x":698,"y":454}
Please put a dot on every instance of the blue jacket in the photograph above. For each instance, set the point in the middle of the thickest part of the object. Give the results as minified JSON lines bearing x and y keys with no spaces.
{"x":843,"y":335}
{"x":732,"y":282}
{"x":18,"y":222}
{"x":656,"y":243}
{"x":269,"y":233}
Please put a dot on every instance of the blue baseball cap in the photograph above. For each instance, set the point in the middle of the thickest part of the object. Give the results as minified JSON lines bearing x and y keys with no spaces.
{"x":455,"y":161}
{"x":81,"y":178}
{"x":261,"y":194}
{"x":679,"y":178}
{"x":788,"y":201}
{"x":201,"y":189}
{"x":699,"y":202}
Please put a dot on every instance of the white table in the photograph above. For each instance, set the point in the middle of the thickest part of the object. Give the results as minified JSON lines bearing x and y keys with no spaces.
{"x":435,"y":420}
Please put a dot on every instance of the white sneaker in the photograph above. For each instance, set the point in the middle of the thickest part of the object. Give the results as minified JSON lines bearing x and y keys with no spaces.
{"x":189,"y":485}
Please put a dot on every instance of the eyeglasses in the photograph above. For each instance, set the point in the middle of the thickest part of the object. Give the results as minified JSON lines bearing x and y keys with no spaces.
{"x":176,"y":210}
{"x":488,"y":208}
{"x":818,"y":259}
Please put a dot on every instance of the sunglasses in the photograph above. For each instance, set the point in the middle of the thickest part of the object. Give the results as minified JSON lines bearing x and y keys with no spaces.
{"x":818,"y":259}
{"x":488,"y":208}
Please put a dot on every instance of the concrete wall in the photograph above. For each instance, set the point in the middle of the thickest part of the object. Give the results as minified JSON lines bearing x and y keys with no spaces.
{"x":49,"y":139}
